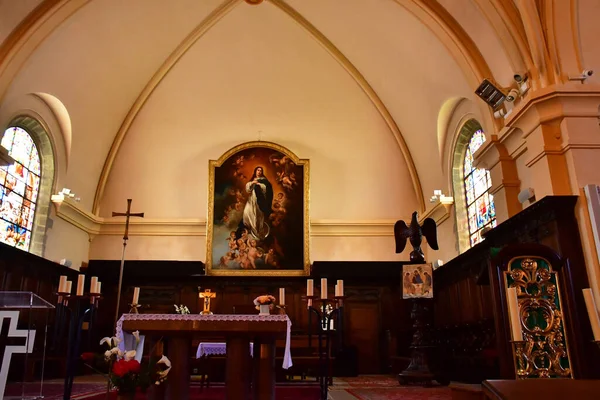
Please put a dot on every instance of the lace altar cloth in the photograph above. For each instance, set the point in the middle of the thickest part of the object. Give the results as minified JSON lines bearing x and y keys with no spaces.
{"x":287,"y":357}
{"x":215,"y":349}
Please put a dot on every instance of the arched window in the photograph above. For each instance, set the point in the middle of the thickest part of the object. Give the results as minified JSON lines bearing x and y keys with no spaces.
{"x":481,"y":212}
{"x":19,"y":188}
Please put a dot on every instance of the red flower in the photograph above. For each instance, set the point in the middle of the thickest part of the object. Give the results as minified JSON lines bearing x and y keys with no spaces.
{"x":88,"y":357}
{"x":134,"y":366}
{"x":120,"y":368}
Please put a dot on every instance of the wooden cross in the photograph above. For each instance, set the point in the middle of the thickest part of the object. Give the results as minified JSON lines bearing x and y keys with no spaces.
{"x":207,"y":295}
{"x":127,"y":214}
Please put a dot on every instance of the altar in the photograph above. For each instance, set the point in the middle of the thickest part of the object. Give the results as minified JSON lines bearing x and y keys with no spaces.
{"x":238,"y":330}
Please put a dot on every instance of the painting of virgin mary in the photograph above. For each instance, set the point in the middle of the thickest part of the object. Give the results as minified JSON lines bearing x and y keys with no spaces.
{"x":258,"y":207}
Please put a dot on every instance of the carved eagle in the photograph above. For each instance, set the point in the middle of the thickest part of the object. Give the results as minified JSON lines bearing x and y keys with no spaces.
{"x":415,"y":232}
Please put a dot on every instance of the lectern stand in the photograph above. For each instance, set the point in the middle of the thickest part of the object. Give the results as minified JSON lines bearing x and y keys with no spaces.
{"x":23,"y":319}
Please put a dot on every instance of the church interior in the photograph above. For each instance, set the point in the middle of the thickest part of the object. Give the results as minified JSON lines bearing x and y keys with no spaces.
{"x":464,"y":266}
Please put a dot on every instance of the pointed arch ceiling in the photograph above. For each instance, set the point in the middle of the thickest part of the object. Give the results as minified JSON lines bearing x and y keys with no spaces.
{"x":393,"y":53}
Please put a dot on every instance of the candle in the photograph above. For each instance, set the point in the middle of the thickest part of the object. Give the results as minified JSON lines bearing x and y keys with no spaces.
{"x":98,"y":287}
{"x":136,"y":295}
{"x":93,"y":284}
{"x":62,"y":284}
{"x":513,"y":310}
{"x":310,"y":288}
{"x":80,"y":283}
{"x":590,"y":304}
{"x":323,"y":288}
{"x":68,"y":286}
{"x":282,"y":296}
{"x":340,"y":285}
{"x":336,"y":290}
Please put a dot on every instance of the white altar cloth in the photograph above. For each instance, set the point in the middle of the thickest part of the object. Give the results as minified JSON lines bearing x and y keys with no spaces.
{"x":215,"y":349}
{"x":287,"y":357}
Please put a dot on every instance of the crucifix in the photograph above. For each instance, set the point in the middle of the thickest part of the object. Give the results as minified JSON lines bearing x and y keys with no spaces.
{"x":207,"y":295}
{"x":126,"y":214}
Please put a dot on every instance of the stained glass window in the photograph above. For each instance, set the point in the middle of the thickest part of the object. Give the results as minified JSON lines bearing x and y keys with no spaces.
{"x":480,"y":203}
{"x":19,"y":187}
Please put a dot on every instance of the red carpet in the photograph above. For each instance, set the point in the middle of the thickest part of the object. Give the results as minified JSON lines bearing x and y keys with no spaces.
{"x":402,"y":393}
{"x":54,"y":390}
{"x":218,"y":393}
{"x":369,"y":381}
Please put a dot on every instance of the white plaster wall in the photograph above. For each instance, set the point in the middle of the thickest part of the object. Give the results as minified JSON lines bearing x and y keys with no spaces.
{"x":65,"y":241}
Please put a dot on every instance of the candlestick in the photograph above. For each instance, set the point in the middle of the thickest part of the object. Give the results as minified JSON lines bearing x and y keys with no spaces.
{"x":68,"y":287}
{"x":62,"y":284}
{"x":323,"y":288}
{"x":590,"y":304}
{"x":340,"y":286}
{"x":513,"y":308}
{"x":282,"y":296}
{"x":136,"y":295}
{"x":93,"y":283}
{"x":310,"y":287}
{"x":80,"y":283}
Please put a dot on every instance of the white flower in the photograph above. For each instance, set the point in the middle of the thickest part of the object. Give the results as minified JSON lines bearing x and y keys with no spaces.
{"x":136,"y":335}
{"x":164,"y":360}
{"x":107,"y":354}
{"x":129,"y":355}
{"x":106,"y":340}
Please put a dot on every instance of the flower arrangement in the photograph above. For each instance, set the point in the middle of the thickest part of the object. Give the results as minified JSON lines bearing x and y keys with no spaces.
{"x":181,"y":309}
{"x":125,"y":373}
{"x":264,"y":300}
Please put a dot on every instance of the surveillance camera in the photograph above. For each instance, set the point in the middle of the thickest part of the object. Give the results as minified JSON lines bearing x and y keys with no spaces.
{"x":500,"y":113}
{"x":512,"y":95}
{"x":587,"y":72}
{"x":520,"y":77}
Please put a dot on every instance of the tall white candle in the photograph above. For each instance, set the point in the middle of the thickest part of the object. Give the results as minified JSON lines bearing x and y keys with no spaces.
{"x":93,"y":284}
{"x":590,"y":304}
{"x":80,"y":283}
{"x":282,"y":296}
{"x":136,"y":295}
{"x":99,"y":287}
{"x":336,"y":290}
{"x":513,"y":310}
{"x":68,"y":287}
{"x":62,"y":284}
{"x":310,"y":287}
{"x":323,"y":288}
{"x":340,"y":285}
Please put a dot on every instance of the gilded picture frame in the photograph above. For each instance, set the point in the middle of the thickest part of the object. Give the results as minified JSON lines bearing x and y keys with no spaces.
{"x":258,"y":219}
{"x":417,"y":281}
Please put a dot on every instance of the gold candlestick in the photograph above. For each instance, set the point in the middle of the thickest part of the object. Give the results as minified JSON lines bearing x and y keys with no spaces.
{"x":133,"y":308}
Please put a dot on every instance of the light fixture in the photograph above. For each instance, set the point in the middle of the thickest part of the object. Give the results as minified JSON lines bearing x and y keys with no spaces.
{"x":438,"y":195}
{"x":62,"y":195}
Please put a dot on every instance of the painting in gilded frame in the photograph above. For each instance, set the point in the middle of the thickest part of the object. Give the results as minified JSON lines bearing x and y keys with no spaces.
{"x":417,"y":281}
{"x":258,"y":212}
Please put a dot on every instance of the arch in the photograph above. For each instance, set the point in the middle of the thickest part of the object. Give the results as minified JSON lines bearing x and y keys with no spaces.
{"x":41,"y":140}
{"x":466,"y":225}
{"x":195,"y":35}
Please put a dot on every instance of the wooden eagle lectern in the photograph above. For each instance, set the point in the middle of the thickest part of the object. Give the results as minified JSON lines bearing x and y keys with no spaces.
{"x":415,"y":232}
{"x":418,"y":370}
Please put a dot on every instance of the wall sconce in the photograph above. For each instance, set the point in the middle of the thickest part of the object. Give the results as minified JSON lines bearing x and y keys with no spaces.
{"x":62,"y":195}
{"x":438,"y":195}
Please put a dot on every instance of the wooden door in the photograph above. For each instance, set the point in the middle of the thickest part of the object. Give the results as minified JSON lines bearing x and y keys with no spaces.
{"x":363,"y":332}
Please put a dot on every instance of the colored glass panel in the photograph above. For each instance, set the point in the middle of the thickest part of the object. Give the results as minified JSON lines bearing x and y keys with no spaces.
{"x":19,"y":188}
{"x":481,"y":212}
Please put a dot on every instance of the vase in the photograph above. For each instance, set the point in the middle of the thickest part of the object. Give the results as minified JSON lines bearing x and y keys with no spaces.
{"x":265,"y":309}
